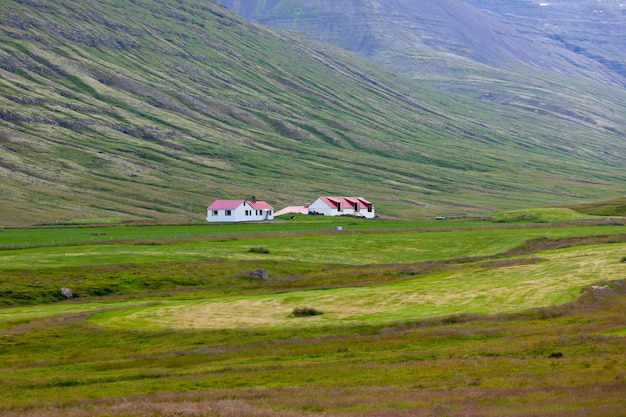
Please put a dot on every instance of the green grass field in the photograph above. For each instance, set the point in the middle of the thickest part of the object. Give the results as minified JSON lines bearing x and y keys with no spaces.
{"x":466,"y":319}
{"x":555,"y":279}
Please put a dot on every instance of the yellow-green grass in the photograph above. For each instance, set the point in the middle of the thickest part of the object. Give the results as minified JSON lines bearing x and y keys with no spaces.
{"x":557,"y":278}
{"x":335,"y":248}
{"x":621,"y":332}
{"x":613,"y":207}
{"x":12,"y":238}
{"x":548,"y":214}
{"x":62,"y":309}
{"x":367,"y":355}
{"x":88,"y":232}
{"x":98,"y":220}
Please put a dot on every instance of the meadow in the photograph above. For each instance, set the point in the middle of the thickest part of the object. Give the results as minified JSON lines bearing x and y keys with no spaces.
{"x":467,"y":318}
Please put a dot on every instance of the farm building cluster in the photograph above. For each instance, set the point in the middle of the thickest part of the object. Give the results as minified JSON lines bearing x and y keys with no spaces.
{"x":253,"y":210}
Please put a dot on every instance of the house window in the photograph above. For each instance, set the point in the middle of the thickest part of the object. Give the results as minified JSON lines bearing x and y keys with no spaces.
{"x":215,"y":212}
{"x":339,"y":208}
{"x":228,"y":213}
{"x":370,"y":208}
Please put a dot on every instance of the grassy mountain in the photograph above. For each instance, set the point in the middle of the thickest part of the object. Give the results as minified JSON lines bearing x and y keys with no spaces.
{"x":547,"y":56}
{"x":613,"y":207}
{"x":146,"y":109}
{"x":563,"y":57}
{"x":453,"y":38}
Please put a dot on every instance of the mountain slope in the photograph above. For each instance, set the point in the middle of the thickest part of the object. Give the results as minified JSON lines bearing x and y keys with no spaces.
{"x":549,"y":56}
{"x":141,"y":109}
{"x":575,"y":37}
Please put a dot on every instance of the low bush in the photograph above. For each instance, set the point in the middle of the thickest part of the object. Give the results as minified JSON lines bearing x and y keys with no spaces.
{"x":259,"y":250}
{"x":305,"y":312}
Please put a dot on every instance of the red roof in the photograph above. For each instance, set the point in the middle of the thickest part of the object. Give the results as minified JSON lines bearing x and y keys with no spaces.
{"x":225,"y":204}
{"x":260,"y":205}
{"x":233,"y":204}
{"x":345,"y":201}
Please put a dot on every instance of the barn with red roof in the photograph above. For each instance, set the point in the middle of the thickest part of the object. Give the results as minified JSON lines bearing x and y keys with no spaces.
{"x":341,"y":206}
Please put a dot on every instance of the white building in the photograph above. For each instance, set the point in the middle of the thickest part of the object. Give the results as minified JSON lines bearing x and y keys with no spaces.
{"x":341,"y":206}
{"x":239,"y":211}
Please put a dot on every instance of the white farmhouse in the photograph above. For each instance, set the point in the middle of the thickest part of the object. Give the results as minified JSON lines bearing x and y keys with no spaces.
{"x":341,"y":206}
{"x":239,"y":211}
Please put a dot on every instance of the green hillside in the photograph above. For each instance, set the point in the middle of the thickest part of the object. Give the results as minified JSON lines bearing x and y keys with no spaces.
{"x":458,"y":39}
{"x":614,"y":207}
{"x":142,"y":109}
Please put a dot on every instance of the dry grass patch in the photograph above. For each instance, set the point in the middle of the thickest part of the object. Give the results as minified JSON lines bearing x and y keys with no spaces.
{"x":557,"y":279}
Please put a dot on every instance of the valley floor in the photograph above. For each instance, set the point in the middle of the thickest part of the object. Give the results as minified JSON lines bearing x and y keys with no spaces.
{"x":485,"y":322}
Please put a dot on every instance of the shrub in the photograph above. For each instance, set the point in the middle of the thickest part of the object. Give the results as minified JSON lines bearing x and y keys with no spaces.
{"x":305,"y":312}
{"x":259,"y":250}
{"x":623,"y":260}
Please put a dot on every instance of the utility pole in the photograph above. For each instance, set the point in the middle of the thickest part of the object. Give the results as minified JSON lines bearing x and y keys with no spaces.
{"x":190,"y":214}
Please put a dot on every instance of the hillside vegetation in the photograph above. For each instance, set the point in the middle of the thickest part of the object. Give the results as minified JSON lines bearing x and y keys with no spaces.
{"x":614,"y":207}
{"x":460,"y":38}
{"x":523,"y":54}
{"x":145,"y":110}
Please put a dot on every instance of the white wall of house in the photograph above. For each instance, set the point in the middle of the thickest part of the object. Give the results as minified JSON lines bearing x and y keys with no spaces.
{"x":346,"y":208}
{"x":258,"y":215}
{"x":240,"y":213}
{"x":320,"y":206}
{"x":226,"y":215}
{"x":368,"y":214}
